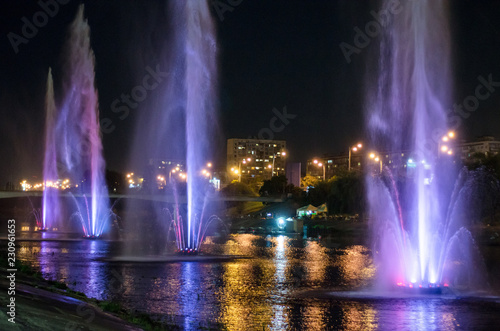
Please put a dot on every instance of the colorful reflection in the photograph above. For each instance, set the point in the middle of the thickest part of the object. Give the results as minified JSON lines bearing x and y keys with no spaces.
{"x":283,"y":284}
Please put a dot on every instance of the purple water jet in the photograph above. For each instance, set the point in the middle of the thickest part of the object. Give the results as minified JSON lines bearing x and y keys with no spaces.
{"x":50,"y":204}
{"x":415,"y":220}
{"x":77,"y":155}
{"x":182,"y":126}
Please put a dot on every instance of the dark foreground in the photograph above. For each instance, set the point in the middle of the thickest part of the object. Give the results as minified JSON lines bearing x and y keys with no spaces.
{"x":39,"y":309}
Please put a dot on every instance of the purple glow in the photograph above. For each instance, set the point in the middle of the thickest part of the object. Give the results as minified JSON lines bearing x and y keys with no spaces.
{"x":73,"y":144}
{"x":50,"y":204}
{"x":420,"y":236}
{"x":200,"y":77}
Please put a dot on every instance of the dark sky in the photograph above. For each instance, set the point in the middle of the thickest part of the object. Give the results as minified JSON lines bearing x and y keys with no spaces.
{"x":272,"y":54}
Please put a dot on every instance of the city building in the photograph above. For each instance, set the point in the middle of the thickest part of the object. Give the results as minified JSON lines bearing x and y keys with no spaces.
{"x":255,"y":158}
{"x":332,"y":165}
{"x":486,"y":145}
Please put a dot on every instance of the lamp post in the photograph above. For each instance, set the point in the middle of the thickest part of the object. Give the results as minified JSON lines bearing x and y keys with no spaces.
{"x":322,"y":165}
{"x":443,"y":144}
{"x":274,"y":158}
{"x":238,"y":171}
{"x":172,"y":171}
{"x":377,"y":159}
{"x":353,"y":149}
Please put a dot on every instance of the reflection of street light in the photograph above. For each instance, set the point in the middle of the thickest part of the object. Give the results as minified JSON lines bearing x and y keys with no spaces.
{"x":353,"y":149}
{"x":321,"y":165}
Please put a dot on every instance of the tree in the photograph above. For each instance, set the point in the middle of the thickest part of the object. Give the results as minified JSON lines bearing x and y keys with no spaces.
{"x":308,"y":181}
{"x":346,"y":195}
{"x":237,"y":188}
{"x":275,"y":186}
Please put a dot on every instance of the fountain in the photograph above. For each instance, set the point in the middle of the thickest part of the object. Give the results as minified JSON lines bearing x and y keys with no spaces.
{"x":421,"y":240}
{"x":181,"y":127}
{"x":50,"y":207}
{"x":77,"y":155}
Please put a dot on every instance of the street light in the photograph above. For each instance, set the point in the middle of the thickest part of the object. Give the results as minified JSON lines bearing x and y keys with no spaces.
{"x":353,"y":149}
{"x":377,"y":159}
{"x":239,"y":171}
{"x":283,"y":154}
{"x":321,"y":165}
{"x":445,"y":148}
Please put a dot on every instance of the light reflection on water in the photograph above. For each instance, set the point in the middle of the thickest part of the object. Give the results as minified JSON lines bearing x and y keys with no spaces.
{"x":267,"y":290}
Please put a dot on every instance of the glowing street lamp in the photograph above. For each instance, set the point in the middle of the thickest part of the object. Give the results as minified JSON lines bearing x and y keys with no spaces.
{"x":321,"y":165}
{"x":354,"y":148}
{"x":446,"y":139}
{"x":376,"y":158}
{"x":282,"y":154}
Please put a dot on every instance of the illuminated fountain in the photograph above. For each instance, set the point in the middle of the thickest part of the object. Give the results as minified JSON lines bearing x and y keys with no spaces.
{"x":420,"y":234}
{"x":73,"y":142}
{"x":50,"y":204}
{"x":182,"y":126}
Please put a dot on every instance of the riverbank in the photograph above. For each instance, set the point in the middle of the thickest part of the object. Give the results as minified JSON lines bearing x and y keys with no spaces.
{"x":48,"y":305}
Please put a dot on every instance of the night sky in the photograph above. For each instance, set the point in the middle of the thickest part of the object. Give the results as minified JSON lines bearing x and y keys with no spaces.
{"x":272,"y":54}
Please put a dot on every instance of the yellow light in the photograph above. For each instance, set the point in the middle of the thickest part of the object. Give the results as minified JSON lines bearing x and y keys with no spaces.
{"x":445,"y":139}
{"x":377,"y":159}
{"x":451,"y":134}
{"x":315,"y":161}
{"x":359,"y":145}
{"x":450,"y":152}
{"x":232,"y":169}
{"x":320,"y":164}
{"x":236,"y":171}
{"x":269,"y":166}
{"x":372,"y":155}
{"x":355,"y":149}
{"x":444,"y":148}
{"x":128,"y":175}
{"x":249,"y":159}
{"x":209,"y":165}
{"x":283,"y":153}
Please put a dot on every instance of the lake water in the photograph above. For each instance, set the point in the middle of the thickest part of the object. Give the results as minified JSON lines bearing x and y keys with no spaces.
{"x":281,"y":283}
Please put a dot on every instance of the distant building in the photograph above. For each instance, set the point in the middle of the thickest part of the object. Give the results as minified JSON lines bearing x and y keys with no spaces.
{"x":293,"y":173}
{"x":486,"y":145}
{"x":337,"y":164}
{"x":161,"y":171}
{"x":255,"y":158}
